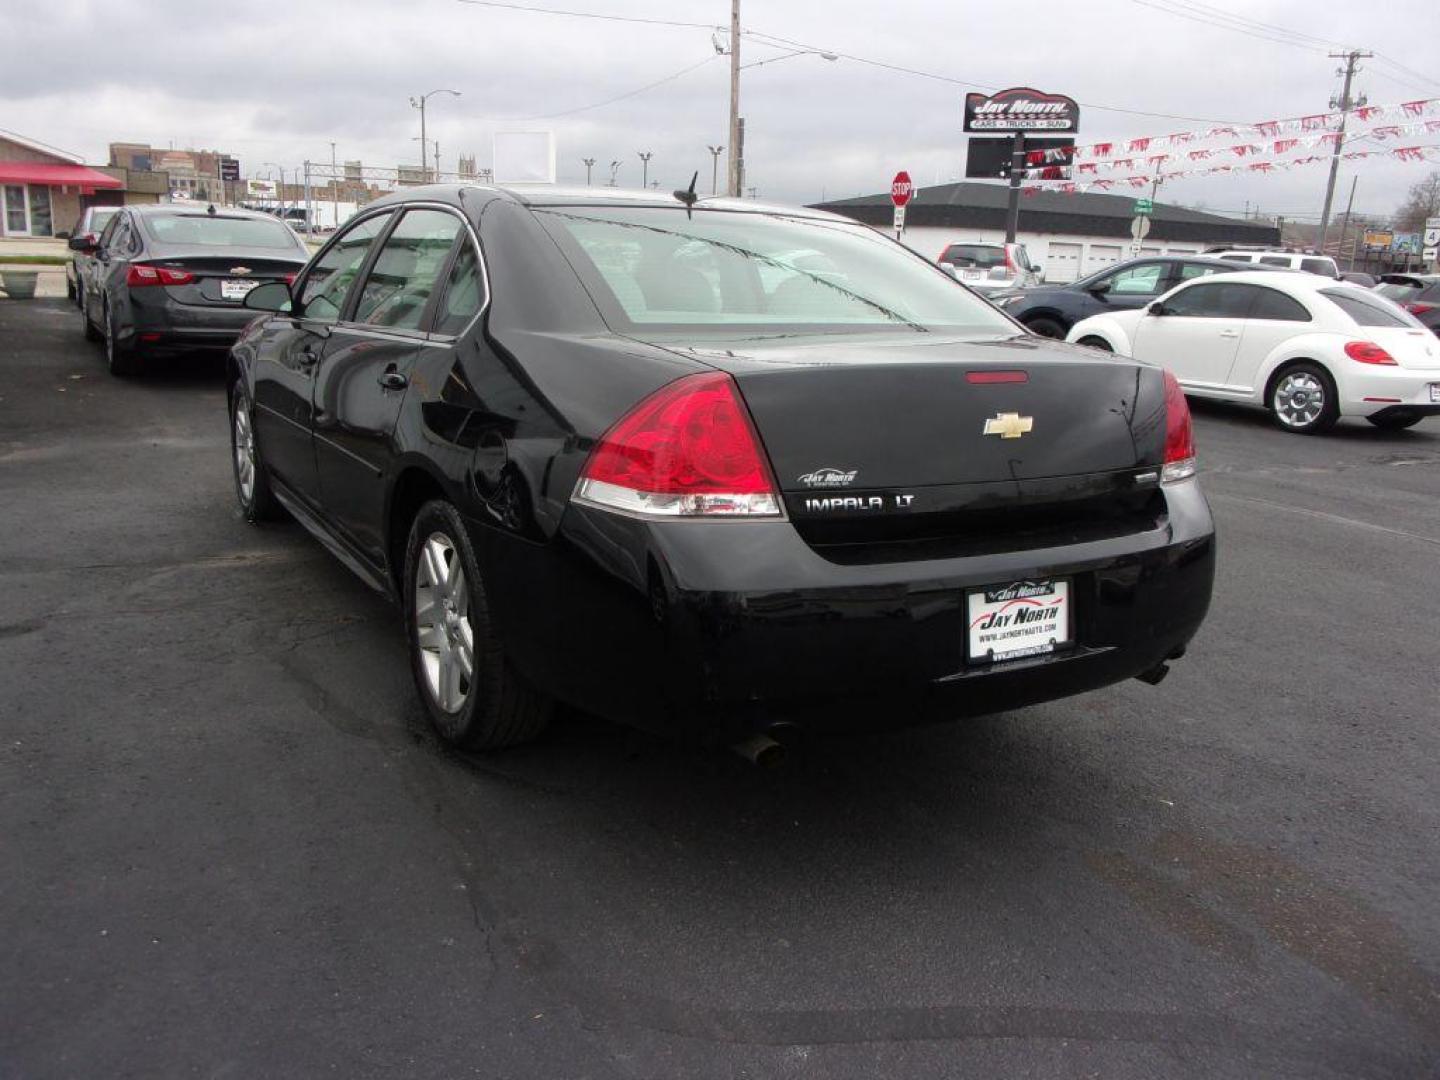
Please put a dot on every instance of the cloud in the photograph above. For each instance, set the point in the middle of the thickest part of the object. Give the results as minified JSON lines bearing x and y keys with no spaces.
{"x":280,"y":83}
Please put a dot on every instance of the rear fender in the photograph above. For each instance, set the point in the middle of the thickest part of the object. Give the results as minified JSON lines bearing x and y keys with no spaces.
{"x":1314,"y":348}
{"x":1104,"y":327}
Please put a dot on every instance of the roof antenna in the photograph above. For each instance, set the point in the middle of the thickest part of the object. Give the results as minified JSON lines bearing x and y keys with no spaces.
{"x":688,"y":196}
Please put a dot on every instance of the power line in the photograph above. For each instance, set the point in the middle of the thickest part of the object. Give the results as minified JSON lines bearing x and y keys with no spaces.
{"x":1255,"y":32}
{"x":590,"y":15}
{"x":970,"y":82}
{"x":611,"y":100}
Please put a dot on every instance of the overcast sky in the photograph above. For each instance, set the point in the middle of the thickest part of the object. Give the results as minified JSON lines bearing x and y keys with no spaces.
{"x":279,"y":82}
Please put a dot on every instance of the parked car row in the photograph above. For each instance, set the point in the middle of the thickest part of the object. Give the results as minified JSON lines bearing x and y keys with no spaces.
{"x":1309,"y":349}
{"x":166,"y":278}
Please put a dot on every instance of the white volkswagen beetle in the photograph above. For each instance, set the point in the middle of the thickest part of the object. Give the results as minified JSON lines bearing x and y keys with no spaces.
{"x":1307,"y":348}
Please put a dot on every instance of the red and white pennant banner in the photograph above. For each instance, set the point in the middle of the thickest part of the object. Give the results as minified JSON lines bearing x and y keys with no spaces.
{"x":1429,"y":153}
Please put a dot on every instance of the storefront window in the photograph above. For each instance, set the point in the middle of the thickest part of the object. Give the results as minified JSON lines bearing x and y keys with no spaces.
{"x":40,"y":222}
{"x":15,"y":218}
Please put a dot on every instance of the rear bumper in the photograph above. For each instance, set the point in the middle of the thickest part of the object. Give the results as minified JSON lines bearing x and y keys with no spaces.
{"x":716,"y":630}
{"x":1371,"y":393}
{"x":159,"y":323}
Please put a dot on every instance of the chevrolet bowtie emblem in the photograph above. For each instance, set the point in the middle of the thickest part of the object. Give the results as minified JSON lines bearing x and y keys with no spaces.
{"x":239,"y":269}
{"x":1009,"y":425}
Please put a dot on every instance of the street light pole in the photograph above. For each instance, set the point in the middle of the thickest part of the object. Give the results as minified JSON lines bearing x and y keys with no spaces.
{"x":715,"y":152}
{"x":736,"y":166}
{"x":645,"y":156}
{"x":614,"y":168}
{"x":589,"y":164}
{"x":419,"y":103}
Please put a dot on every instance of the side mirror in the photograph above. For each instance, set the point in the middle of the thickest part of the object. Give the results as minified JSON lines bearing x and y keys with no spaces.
{"x":1100,"y":290}
{"x":272,"y":296}
{"x":85,"y":243}
{"x":1156,"y":308}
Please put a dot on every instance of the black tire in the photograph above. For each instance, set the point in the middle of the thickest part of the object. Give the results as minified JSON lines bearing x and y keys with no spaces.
{"x":91,"y":334}
{"x":1395,"y":422}
{"x":259,"y":503}
{"x":1291,"y":394}
{"x":1096,"y":343}
{"x":497,"y":708}
{"x":119,"y":358}
{"x":1046,"y":328}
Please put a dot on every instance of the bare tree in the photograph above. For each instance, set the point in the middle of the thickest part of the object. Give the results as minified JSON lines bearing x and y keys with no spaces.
{"x":1422,"y":202}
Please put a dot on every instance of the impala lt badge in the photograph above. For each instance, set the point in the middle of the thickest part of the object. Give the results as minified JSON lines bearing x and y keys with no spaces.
{"x":1009,"y":425}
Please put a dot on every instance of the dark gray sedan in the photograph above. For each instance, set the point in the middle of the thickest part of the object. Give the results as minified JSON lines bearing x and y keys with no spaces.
{"x":171,"y":278}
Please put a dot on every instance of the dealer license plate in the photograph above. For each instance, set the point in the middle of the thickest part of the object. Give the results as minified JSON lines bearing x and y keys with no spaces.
{"x":971,"y":275}
{"x":231,"y":289}
{"x":1435,"y":393}
{"x":1023,"y":618}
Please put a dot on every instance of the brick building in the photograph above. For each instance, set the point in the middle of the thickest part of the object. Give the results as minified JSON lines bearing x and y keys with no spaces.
{"x":43,"y":190}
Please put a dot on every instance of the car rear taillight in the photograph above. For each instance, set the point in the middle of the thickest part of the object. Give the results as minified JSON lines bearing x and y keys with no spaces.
{"x":687,"y":450}
{"x":139,"y":275}
{"x":1009,"y":262}
{"x":290,"y":278}
{"x":1367,"y":352}
{"x":1179,"y":463}
{"x":1417,"y":308}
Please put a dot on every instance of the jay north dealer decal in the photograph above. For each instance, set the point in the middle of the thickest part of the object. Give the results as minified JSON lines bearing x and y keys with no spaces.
{"x":1021,"y":109}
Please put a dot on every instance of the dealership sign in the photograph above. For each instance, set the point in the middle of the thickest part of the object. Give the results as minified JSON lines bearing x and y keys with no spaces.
{"x":1021,"y":109}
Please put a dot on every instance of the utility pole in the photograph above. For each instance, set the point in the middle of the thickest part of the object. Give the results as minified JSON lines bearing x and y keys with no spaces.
{"x":334,"y":186}
{"x":1345,"y":224}
{"x":736,"y":166}
{"x":589,"y":164}
{"x":715,"y":152}
{"x":437,"y":161}
{"x":1344,"y":103}
{"x":424,"y":165}
{"x":644,"y":156}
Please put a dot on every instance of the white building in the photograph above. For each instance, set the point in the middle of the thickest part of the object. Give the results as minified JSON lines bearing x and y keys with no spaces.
{"x":1069,"y":236}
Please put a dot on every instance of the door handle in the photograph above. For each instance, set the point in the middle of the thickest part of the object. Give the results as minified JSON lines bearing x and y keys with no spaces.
{"x":393,"y":380}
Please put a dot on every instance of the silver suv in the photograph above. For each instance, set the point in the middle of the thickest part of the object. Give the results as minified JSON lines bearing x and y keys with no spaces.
{"x":986,"y":267}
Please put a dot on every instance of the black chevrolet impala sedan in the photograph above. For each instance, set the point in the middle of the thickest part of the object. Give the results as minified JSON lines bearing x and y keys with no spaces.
{"x":718,"y":469}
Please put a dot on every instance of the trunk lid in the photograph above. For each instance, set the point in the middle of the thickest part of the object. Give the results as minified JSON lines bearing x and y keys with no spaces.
{"x":1411,"y":347}
{"x":905,"y":442}
{"x":213,"y":271}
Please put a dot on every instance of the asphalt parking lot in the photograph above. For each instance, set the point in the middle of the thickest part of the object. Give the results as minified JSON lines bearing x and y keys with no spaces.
{"x":229,"y":847}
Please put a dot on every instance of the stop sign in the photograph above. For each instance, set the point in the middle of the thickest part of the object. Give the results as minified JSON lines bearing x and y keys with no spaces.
{"x":901,"y":188}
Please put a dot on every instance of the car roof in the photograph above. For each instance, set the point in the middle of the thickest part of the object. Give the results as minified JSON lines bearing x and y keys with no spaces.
{"x":1296,"y":280}
{"x":198,"y":209}
{"x":541,"y":195}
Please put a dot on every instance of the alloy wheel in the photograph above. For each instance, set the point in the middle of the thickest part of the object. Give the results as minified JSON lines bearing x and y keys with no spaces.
{"x":442,"y":623}
{"x":1299,"y":399}
{"x":244,"y":452}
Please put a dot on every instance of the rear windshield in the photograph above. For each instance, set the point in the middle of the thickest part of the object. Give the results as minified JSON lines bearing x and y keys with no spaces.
{"x":218,"y":231}
{"x":731,"y":271}
{"x":1370,"y":310}
{"x":981,"y":255}
{"x":1400,"y":291}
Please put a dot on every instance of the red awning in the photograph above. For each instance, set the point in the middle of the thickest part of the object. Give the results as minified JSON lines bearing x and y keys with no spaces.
{"x":36,"y":172}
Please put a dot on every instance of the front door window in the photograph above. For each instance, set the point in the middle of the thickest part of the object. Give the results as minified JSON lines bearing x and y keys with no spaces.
{"x":17,"y":221}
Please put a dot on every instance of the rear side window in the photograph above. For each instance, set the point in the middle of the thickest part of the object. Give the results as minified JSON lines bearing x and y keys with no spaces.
{"x":1323,"y":267}
{"x":407,"y":271}
{"x":978,"y":255}
{"x":1367,"y":310}
{"x":1273,"y":305}
{"x":99,"y":219}
{"x":1194,"y":270}
{"x":1274,"y":260}
{"x":464,"y":293}
{"x":323,"y":293}
{"x":1237,"y":258}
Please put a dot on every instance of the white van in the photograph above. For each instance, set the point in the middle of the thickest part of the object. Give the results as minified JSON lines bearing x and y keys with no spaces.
{"x":1323,"y":265}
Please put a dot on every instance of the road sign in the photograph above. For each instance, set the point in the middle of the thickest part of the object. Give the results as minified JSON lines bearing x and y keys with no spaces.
{"x":901,"y":189}
{"x":1432,"y":232}
{"x":899,"y":218}
{"x":1431,"y":254}
{"x":229,"y":168}
{"x":1135,"y":249}
{"x":1144,"y":208}
{"x":1140,"y":227}
{"x":1021,"y":109}
{"x":264,"y":189}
